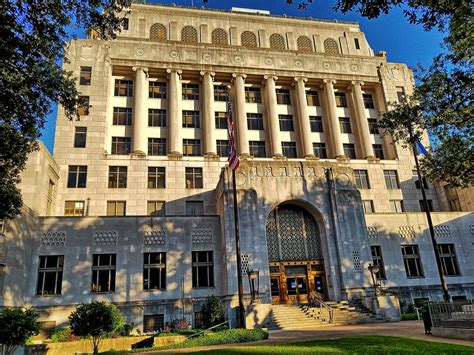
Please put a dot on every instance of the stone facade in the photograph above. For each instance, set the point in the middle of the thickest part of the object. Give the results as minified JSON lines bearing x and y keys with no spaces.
{"x":144,"y":171}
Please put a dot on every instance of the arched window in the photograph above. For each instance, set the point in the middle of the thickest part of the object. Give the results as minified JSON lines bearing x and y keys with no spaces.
{"x":189,"y":34}
{"x":219,"y":37}
{"x":304,"y":44}
{"x":277,"y":42}
{"x":248,"y":39}
{"x":158,"y":32}
{"x":330,"y":46}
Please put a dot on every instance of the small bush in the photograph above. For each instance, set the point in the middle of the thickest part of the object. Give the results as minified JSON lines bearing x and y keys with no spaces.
{"x":127,"y":329}
{"x":62,"y":335}
{"x":409,"y":316}
{"x":212,"y":311}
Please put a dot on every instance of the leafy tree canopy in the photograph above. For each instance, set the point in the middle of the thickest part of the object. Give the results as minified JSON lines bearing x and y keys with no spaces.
{"x":16,"y":327}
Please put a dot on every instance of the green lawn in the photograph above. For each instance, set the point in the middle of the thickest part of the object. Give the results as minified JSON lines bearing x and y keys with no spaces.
{"x":353,"y":345}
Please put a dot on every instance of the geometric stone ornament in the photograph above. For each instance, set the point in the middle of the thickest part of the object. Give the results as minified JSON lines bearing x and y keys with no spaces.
{"x":471,"y":229}
{"x":245,"y":262}
{"x":356,"y":260}
{"x":105,"y":238}
{"x":201,"y":236}
{"x":372,"y":232}
{"x":53,"y":239}
{"x":406,"y":232}
{"x":154,"y":237}
{"x":442,"y":231}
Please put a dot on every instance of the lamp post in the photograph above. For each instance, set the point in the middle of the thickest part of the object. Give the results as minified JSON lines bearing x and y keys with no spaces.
{"x":254,"y":282}
{"x":373,"y":270}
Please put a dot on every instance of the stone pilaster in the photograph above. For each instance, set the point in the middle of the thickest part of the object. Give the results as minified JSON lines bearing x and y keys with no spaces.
{"x":140,"y":114}
{"x":208,"y":124}
{"x":241,"y":116}
{"x":361,"y":119}
{"x":175,"y":144}
{"x":388,"y":143}
{"x":303,"y":118}
{"x":272,"y":115}
{"x":333,"y":119}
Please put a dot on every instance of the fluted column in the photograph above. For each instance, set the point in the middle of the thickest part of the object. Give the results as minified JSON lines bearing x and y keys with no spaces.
{"x":241,"y":115}
{"x":331,"y":109}
{"x":272,"y":113}
{"x":175,"y":144}
{"x":140,"y":114}
{"x":362,"y":123}
{"x":303,"y":117}
{"x":208,"y":124}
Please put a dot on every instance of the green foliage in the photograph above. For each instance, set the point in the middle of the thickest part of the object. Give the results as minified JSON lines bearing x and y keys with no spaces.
{"x":62,"y":335}
{"x":16,"y":327}
{"x":127,"y":329}
{"x":97,"y":320}
{"x":212,"y":311}
{"x":33,"y":36}
{"x":409,"y":316}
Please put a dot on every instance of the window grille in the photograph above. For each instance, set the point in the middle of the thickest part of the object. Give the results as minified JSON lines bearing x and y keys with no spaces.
{"x":248,"y":39}
{"x":189,"y":35}
{"x":330,"y":46}
{"x":158,"y":32}
{"x":219,"y":37}
{"x":304,"y":44}
{"x":277,"y":42}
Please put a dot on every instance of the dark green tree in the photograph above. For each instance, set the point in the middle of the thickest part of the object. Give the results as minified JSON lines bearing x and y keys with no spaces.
{"x":16,"y":327}
{"x":96,"y":320}
{"x":212,"y":311}
{"x":33,"y":36}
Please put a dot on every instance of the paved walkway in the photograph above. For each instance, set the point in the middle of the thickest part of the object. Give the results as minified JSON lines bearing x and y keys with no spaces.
{"x":407,"y":329}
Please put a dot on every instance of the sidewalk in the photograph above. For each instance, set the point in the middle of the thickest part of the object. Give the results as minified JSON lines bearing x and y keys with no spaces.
{"x":407,"y":329}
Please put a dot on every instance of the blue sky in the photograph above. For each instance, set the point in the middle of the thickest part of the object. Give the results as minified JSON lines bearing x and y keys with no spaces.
{"x":403,"y":42}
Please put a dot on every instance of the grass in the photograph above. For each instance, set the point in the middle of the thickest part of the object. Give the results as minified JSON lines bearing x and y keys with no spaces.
{"x":353,"y":345}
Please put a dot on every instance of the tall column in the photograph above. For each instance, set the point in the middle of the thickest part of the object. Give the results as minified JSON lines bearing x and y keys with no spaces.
{"x":362,"y":123}
{"x":303,"y":117}
{"x":273,"y":121}
{"x":331,"y":109}
{"x":140,"y":114}
{"x":175,"y":144}
{"x":389,"y":144}
{"x":241,"y":115}
{"x":208,"y":125}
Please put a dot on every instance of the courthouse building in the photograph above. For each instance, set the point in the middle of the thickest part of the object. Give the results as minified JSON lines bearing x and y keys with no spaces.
{"x":135,"y":206}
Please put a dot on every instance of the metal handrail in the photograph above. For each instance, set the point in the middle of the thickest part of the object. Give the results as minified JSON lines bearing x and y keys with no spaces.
{"x":205,"y":330}
{"x":315,"y":297}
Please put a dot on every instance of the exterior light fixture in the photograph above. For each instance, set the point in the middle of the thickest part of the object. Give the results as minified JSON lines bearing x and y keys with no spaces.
{"x":254,"y":282}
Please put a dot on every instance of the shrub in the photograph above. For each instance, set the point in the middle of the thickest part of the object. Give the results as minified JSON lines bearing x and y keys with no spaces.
{"x":409,"y":316}
{"x":212,"y":311}
{"x":16,"y":327}
{"x":127,"y":329}
{"x":62,"y":334}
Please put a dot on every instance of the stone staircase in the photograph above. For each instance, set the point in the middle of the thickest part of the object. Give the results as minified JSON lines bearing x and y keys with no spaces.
{"x":304,"y":316}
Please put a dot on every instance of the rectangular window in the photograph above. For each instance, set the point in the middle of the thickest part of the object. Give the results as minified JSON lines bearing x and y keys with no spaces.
{"x":349,"y":151}
{"x":156,"y":117}
{"x":345,"y":125}
{"x":50,"y":275}
{"x":378,"y":261}
{"x":191,"y":147}
{"x":123,"y":88}
{"x":368,"y":101}
{"x":194,"y":178}
{"x":156,"y":90}
{"x":423,"y":206}
{"x":154,"y":271}
{"x":121,"y":145}
{"x":447,"y":256}
{"x":157,"y":146}
{"x":80,"y":137}
{"x":125,"y":24}
{"x":255,"y":121}
{"x":341,"y":100}
{"x":368,"y":206}
{"x":122,"y":116}
{"x":312,"y":98}
{"x":378,"y":151}
{"x":155,"y":208}
{"x":195,"y":208}
{"x":361,"y":179}
{"x":83,"y":107}
{"x":316,"y":123}
{"x":190,"y":91}
{"x":116,"y":208}
{"x":117,"y":177}
{"x":356,"y":43}
{"x":220,"y":93}
{"x":252,"y":95}
{"x":49,"y":197}
{"x":85,"y":76}
{"x":373,"y":129}
{"x":203,"y":269}
{"x":319,"y":150}
{"x":283,"y":97}
{"x":257,"y":149}
{"x":391,"y":179}
{"x":286,"y":123}
{"x":289,"y":149}
{"x":74,"y":208}
{"x":103,"y":273}
{"x":153,"y":323}
{"x":156,"y":177}
{"x":222,"y":148}
{"x":396,"y":206}
{"x":77,"y":176}
{"x":417,"y":182}
{"x":400,"y":94}
{"x":412,"y":261}
{"x":221,"y":120}
{"x":191,"y":119}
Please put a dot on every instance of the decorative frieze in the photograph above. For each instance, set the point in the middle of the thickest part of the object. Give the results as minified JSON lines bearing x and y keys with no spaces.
{"x":105,"y":238}
{"x":372,"y":232}
{"x":442,"y":231}
{"x":407,"y":232}
{"x":154,"y":237}
{"x":201,"y":236}
{"x":53,"y":239}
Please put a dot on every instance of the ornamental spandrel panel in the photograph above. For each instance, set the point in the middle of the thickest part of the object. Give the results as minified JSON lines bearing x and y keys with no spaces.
{"x":154,"y":237}
{"x":53,"y":239}
{"x":105,"y":238}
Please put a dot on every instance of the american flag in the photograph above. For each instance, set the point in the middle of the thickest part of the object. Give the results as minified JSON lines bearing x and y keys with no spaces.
{"x":233,"y":157}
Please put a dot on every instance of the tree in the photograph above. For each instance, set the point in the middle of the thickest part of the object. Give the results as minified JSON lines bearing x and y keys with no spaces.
{"x":212,"y":311}
{"x":33,"y":36}
{"x":97,"y":320}
{"x":16,"y":327}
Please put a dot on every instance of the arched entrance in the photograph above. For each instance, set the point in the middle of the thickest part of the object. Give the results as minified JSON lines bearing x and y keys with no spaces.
{"x":294,"y":253}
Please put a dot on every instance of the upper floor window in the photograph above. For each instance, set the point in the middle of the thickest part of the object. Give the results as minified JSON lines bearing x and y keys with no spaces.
{"x":417,"y":181}
{"x":391,"y":179}
{"x":154,"y":271}
{"x":85,"y":76}
{"x":190,"y":92}
{"x":312,"y":98}
{"x":341,"y":100}
{"x":423,"y":205}
{"x":156,"y":90}
{"x":122,"y":116}
{"x":194,"y":178}
{"x":117,"y":177}
{"x":158,"y":32}
{"x":74,"y":208}
{"x":203,"y":269}
{"x":304,"y":44}
{"x":362,"y":179}
{"x":373,"y":129}
{"x":125,"y":24}
{"x":77,"y":176}
{"x":277,"y":42}
{"x":80,"y":135}
{"x":156,"y":117}
{"x":378,"y":151}
{"x":345,"y":125}
{"x":255,"y":121}
{"x":121,"y":145}
{"x":221,"y":120}
{"x":286,"y":122}
{"x":368,"y":206}
{"x":377,"y":258}
{"x":349,"y":150}
{"x":155,"y":208}
{"x":283,"y":97}
{"x":123,"y":87}
{"x":220,"y":93}
{"x":412,"y":261}
{"x":156,"y":177}
{"x":191,"y":119}
{"x":191,"y":147}
{"x":219,"y":37}
{"x":368,"y":101}
{"x":116,"y":208}
{"x":103,"y":272}
{"x":189,"y":35}
{"x":50,"y":275}
{"x":401,"y":96}
{"x":331,"y":46}
{"x":84,"y":105}
{"x":253,"y":95}
{"x":396,"y":206}
{"x":257,"y":149}
{"x":157,"y":146}
{"x":194,"y":208}
{"x":289,"y":149}
{"x":316,"y":123}
{"x":319,"y":150}
{"x":447,"y":256}
{"x":222,"y":148}
{"x":248,"y":39}
{"x":356,"y":43}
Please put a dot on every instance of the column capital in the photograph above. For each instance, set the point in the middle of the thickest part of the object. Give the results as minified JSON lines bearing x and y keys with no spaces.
{"x":144,"y":69}
{"x":236,"y":75}
{"x":267,"y":77}
{"x":177,"y":71}
{"x":211,"y":74}
{"x":302,"y":78}
{"x":328,"y":82}
{"x":357,"y":82}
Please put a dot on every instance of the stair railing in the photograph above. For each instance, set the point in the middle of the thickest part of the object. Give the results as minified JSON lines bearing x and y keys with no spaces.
{"x":316,"y":299}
